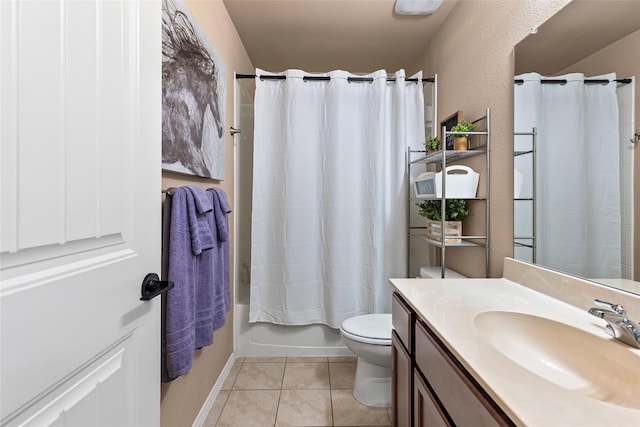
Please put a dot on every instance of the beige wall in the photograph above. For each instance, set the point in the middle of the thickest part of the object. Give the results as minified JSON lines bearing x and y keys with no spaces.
{"x":182,"y":398}
{"x":623,"y":58}
{"x":473,"y":57}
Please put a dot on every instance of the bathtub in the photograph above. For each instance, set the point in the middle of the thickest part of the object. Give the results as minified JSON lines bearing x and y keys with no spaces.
{"x":268,"y":339}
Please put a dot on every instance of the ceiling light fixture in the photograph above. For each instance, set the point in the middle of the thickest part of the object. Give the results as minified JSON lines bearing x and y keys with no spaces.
{"x":417,"y":7}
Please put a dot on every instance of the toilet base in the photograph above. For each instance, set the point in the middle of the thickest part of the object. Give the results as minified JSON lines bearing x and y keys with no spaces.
{"x":372,"y":386}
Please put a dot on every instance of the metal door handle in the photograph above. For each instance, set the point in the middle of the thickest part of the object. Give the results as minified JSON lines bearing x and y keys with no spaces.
{"x":152,"y":286}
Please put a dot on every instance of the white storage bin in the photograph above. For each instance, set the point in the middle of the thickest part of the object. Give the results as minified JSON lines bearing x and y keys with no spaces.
{"x":462,"y":184}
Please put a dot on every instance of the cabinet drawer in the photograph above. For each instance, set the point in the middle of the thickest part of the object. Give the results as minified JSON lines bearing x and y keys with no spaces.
{"x":402,"y":319}
{"x":465,"y":401}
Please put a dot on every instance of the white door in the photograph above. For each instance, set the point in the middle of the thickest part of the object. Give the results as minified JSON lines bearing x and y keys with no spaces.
{"x":80,"y":101}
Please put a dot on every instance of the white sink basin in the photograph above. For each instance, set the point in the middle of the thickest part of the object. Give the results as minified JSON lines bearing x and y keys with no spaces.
{"x":595,"y":366}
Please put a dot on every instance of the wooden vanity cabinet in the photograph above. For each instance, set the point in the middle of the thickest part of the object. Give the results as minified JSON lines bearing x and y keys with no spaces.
{"x":440,"y":390}
{"x":402,"y":362}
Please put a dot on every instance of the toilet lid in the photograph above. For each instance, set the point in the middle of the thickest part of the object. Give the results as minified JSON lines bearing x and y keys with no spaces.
{"x":369,"y":328}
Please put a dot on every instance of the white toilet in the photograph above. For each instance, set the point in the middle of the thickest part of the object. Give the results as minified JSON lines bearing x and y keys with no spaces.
{"x":369,"y":337}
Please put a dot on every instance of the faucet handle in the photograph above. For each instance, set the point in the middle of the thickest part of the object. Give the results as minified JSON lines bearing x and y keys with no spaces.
{"x":615,"y":307}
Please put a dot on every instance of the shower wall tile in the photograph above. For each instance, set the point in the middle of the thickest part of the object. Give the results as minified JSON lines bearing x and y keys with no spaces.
{"x":627,"y":214}
{"x":627,"y":234}
{"x":627,"y":256}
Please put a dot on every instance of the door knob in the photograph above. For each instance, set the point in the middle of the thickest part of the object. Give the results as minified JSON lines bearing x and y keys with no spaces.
{"x":152,"y":286}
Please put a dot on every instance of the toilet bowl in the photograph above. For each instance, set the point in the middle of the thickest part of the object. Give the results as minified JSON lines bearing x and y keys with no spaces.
{"x":369,"y":337}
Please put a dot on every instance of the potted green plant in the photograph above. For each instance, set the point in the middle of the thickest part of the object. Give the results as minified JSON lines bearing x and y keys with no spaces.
{"x":461,"y":137}
{"x":456,"y":210}
{"x":432,"y":144}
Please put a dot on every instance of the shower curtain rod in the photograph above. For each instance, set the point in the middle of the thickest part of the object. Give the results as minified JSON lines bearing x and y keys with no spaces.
{"x":327,"y":78}
{"x":587,"y":81}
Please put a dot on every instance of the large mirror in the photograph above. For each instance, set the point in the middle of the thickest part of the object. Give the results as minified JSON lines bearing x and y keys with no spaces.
{"x":585,"y":40}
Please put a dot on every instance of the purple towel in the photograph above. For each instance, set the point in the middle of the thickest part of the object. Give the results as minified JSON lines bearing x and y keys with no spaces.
{"x":199,"y":208}
{"x":220,"y":211}
{"x":179,"y":334}
{"x":221,"y":283}
{"x":201,"y":298}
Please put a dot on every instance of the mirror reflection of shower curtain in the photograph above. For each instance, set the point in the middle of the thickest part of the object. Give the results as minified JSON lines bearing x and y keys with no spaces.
{"x":578,"y":172}
{"x":329,"y":195}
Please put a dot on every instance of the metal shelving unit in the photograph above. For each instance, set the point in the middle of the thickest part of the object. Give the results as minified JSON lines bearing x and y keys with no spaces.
{"x":527,"y":241}
{"x":441,"y":159}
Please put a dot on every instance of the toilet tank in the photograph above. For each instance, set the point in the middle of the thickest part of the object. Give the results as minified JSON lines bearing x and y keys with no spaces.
{"x":435,"y":273}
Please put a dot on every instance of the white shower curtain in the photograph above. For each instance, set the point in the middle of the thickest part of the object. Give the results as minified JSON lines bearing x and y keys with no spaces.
{"x":329,"y":195}
{"x":577,"y":169}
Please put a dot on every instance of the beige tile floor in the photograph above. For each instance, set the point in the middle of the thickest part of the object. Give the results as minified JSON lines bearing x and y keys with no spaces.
{"x":292,"y":391}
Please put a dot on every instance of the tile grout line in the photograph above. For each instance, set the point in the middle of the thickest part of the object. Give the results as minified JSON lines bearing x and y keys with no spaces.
{"x":333,"y":420}
{"x":275,"y":421}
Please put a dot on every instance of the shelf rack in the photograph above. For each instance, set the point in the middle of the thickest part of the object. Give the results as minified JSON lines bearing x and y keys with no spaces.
{"x":528,"y":241}
{"x":442,"y":158}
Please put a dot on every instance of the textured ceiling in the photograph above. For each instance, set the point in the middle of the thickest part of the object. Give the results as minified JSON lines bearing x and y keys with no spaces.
{"x":578,"y":30}
{"x":360,"y":36}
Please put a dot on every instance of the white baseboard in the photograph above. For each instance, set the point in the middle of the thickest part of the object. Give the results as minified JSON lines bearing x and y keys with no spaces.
{"x":213,"y":394}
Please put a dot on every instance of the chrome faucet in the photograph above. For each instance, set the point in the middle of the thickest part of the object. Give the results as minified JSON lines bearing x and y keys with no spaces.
{"x":619,"y":326}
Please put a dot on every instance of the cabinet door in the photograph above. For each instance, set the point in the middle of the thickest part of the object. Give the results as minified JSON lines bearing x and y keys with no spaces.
{"x":403,"y":319}
{"x":426,"y":411}
{"x":401,"y":385}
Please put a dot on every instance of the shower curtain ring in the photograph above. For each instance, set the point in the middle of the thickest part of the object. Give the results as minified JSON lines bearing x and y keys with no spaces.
{"x":636,"y":137}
